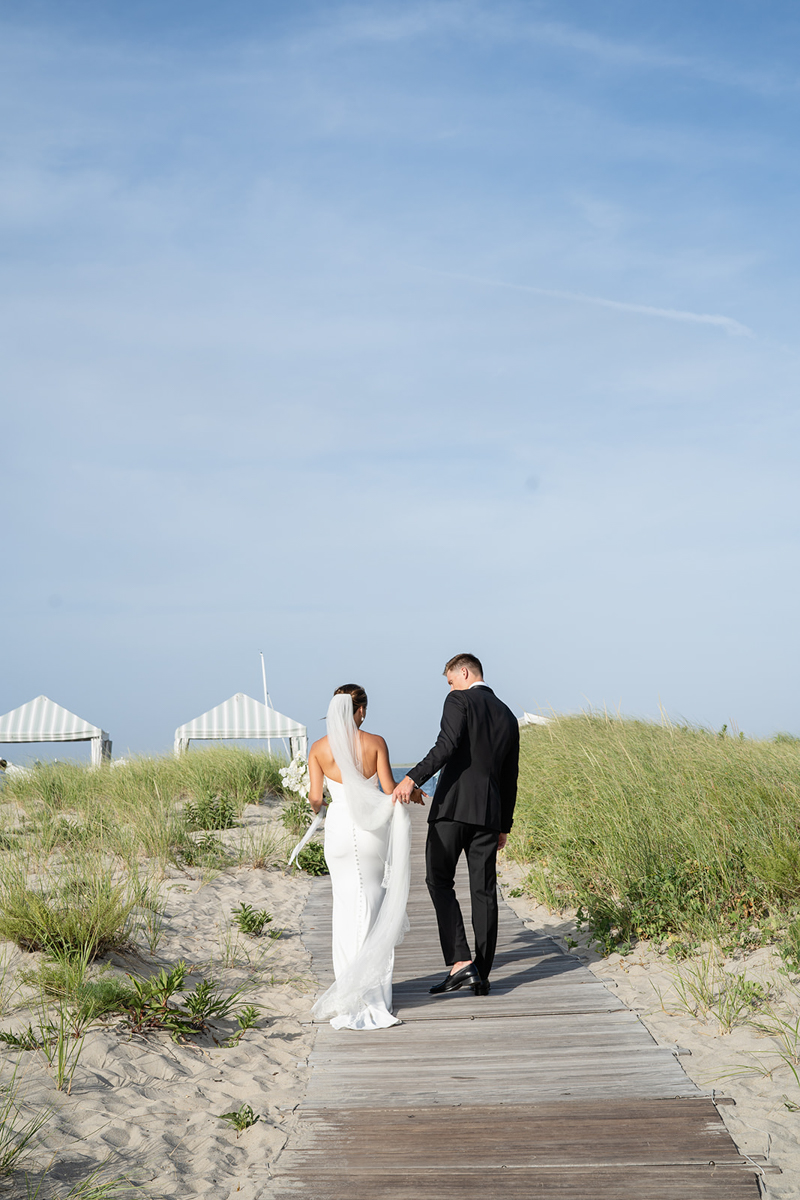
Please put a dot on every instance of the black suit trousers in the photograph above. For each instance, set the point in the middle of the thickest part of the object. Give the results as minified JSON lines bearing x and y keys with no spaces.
{"x":446,"y":842}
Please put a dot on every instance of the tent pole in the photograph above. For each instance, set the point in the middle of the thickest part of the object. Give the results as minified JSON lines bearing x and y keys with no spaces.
{"x":267,"y":704}
{"x":264,"y":677}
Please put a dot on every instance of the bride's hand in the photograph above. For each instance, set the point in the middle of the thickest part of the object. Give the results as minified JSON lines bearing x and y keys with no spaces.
{"x":418,"y":796}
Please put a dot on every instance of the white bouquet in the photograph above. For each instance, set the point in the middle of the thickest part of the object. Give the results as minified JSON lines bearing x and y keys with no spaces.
{"x":295,"y":777}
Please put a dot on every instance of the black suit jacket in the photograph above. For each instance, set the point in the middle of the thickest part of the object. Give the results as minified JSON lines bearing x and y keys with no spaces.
{"x":477,"y":752}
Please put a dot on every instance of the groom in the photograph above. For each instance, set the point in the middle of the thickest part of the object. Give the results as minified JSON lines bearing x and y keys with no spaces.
{"x":477,"y":752}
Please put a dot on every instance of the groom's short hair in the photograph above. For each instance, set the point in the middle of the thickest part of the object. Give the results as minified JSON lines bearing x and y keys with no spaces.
{"x":469,"y":661}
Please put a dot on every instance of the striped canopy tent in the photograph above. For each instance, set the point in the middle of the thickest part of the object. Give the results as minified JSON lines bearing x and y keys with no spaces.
{"x":42,"y":720}
{"x":242,"y":717}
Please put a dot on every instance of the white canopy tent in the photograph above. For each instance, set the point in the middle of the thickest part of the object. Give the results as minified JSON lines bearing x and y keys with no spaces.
{"x":42,"y":720}
{"x":242,"y":717}
{"x":532,"y":719}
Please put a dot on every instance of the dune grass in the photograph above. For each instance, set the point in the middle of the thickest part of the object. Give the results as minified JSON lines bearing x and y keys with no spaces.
{"x":145,"y":808}
{"x":661,"y":831}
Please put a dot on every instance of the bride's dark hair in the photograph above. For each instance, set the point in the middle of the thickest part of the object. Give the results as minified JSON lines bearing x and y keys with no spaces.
{"x":356,"y":692}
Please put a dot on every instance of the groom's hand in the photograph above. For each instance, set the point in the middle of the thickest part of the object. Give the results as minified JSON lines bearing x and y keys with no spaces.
{"x":403,"y":791}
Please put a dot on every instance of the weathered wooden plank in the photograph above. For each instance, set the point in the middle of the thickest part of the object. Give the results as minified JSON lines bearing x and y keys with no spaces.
{"x":678,"y":1132}
{"x":566,"y":1182}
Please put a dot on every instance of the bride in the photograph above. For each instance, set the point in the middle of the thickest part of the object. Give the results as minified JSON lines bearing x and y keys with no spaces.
{"x":367,"y":848}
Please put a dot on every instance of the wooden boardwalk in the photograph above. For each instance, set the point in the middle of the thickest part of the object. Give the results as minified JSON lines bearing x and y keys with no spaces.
{"x":548,"y":1086}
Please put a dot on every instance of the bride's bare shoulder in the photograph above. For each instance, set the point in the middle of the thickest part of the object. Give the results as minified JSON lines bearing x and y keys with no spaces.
{"x":319,"y":748}
{"x":373,"y":739}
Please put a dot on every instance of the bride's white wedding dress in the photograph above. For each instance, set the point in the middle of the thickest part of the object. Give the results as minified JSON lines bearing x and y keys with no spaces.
{"x":356,"y":859}
{"x":367,"y":849}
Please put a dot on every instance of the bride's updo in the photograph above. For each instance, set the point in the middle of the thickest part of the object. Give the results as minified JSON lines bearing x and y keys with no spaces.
{"x":356,"y":693}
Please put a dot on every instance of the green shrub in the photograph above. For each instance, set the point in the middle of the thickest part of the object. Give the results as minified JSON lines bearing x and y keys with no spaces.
{"x":211,"y":812}
{"x":249,"y":919}
{"x":311,"y":859}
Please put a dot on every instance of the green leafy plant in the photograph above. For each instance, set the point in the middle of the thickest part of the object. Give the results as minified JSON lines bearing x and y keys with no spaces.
{"x":246,"y":1019}
{"x":211,"y":812}
{"x":243,"y":1118}
{"x":250,"y":920}
{"x":312,"y":859}
{"x":26,"y":1040}
{"x":151,"y":1007}
{"x":204,"y":851}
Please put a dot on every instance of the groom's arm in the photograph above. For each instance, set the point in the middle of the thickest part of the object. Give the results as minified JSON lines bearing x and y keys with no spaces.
{"x":453,"y":726}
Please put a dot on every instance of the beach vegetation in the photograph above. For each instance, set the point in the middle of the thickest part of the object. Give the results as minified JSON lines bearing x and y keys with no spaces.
{"x":311,"y":859}
{"x":661,"y":832}
{"x":296,"y":816}
{"x":260,"y":849}
{"x":246,"y":1019}
{"x":243,"y":1118}
{"x":206,"y":851}
{"x":142,"y":808}
{"x":84,"y":910}
{"x":250,"y":920}
{"x":211,"y":812}
{"x":18,"y":1130}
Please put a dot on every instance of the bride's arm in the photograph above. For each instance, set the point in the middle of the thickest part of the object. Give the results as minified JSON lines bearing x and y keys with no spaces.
{"x":385,"y":777}
{"x":316,"y":781}
{"x":385,"y":774}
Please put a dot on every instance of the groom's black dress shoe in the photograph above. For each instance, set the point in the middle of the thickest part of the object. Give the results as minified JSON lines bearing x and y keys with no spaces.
{"x":483,"y":988}
{"x":451,"y":983}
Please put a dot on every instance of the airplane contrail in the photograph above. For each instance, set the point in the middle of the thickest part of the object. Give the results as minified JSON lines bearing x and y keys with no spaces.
{"x":731,"y":327}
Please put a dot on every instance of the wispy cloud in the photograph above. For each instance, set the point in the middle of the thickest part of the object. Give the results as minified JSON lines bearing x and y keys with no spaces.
{"x":498,"y":22}
{"x":732,"y":328}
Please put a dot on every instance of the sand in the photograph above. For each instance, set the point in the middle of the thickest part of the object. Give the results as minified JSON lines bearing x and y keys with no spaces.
{"x":763,"y":1121}
{"x":148,"y":1106}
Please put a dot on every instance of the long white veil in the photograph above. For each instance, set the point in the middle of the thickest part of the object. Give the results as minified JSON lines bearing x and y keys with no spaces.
{"x":369,"y":808}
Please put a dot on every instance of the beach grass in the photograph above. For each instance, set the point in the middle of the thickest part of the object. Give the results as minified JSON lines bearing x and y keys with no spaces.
{"x":143,"y":808}
{"x":661,"y":831}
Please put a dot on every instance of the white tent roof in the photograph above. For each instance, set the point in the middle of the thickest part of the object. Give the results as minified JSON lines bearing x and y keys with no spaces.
{"x":42,"y":720}
{"x":532,"y":719}
{"x":240,"y":717}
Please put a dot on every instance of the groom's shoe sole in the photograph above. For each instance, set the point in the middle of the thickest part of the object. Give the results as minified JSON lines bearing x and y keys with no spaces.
{"x":483,"y":988}
{"x":451,"y":983}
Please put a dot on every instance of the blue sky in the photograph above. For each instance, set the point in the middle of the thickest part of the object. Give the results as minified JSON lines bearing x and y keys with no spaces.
{"x":367,"y":333}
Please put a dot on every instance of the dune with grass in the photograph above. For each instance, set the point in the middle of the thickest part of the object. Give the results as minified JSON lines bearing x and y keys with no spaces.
{"x":667,"y":857}
{"x":154,"y":990}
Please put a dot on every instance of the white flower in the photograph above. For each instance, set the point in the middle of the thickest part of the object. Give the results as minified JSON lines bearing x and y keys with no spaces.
{"x":296,"y":777}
